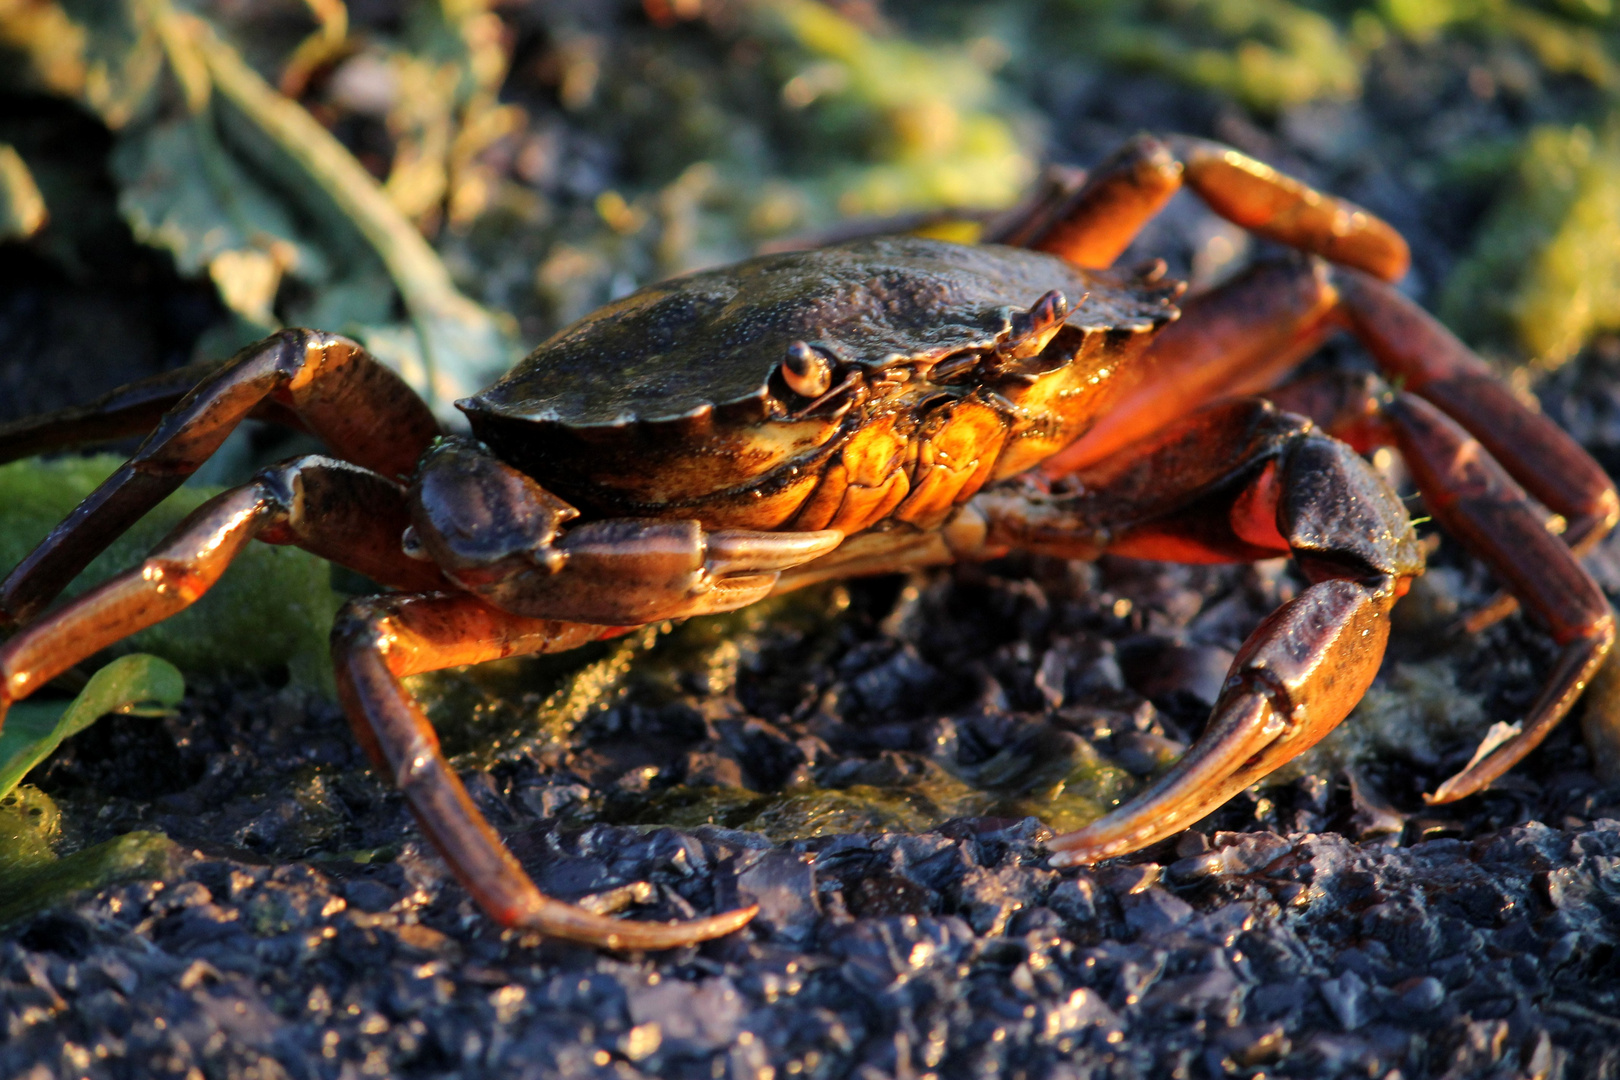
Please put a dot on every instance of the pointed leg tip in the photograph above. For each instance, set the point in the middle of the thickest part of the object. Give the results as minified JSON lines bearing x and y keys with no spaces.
{"x":1065,"y":860}
{"x":1451,"y":791}
{"x":1092,"y":844}
{"x":559,"y":920}
{"x":672,"y":935}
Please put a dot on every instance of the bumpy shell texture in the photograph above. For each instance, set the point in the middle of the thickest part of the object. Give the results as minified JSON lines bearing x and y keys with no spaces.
{"x":712,"y":339}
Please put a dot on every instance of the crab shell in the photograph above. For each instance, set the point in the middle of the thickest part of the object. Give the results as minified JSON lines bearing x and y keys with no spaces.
{"x":672,"y":402}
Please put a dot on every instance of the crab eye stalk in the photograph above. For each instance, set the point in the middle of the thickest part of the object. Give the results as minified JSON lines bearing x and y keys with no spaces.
{"x":1032,"y":329}
{"x":806,"y":371}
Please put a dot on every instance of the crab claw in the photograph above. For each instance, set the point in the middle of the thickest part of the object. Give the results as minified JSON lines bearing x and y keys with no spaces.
{"x":742,"y":566}
{"x":741,"y":551}
{"x":1297,"y":678}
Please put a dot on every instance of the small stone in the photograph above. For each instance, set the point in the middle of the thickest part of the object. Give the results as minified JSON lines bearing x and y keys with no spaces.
{"x":1154,"y":911}
{"x":1346,"y":997}
{"x":783,"y":884}
{"x":693,"y":1018}
{"x":1125,"y":881}
{"x":1421,"y":994}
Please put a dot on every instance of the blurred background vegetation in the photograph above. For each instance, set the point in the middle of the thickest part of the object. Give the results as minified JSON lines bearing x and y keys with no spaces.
{"x":283,"y":159}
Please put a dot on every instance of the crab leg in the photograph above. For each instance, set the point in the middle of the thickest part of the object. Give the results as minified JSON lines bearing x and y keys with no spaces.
{"x":362,"y":411}
{"x":499,"y":535}
{"x":1477,"y":501}
{"x":1245,"y":335}
{"x":1285,"y":489}
{"x":337,"y":510}
{"x":1238,"y":339}
{"x":1430,"y":361}
{"x":1092,"y":224}
{"x":352,"y":516}
{"x":1472,"y":495}
{"x":132,"y":409}
{"x":380,"y":639}
{"x":1095,"y":225}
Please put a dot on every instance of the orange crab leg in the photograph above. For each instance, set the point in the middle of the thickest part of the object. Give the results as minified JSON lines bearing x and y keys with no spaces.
{"x":340,"y":511}
{"x":132,"y":409}
{"x":1252,"y":194}
{"x":362,"y":411}
{"x":1237,"y":339}
{"x":1430,"y":360}
{"x":1473,"y":496}
{"x":355,"y":517}
{"x":1245,"y":335}
{"x":1478,"y":502}
{"x":1095,"y":225}
{"x":378,"y":640}
{"x":1454,"y":458}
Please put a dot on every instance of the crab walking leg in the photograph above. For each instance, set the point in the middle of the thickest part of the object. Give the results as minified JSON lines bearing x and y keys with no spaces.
{"x":337,"y":510}
{"x":1245,"y":335}
{"x":1094,"y":223}
{"x":1285,"y":489}
{"x":1430,"y":361}
{"x":377,"y":641}
{"x":1237,"y":339}
{"x":1097,"y":223}
{"x":1475,"y":499}
{"x":132,"y":409}
{"x":362,"y":411}
{"x":1252,"y":194}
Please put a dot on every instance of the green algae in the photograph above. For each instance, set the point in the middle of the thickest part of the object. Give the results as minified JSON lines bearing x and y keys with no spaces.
{"x":1572,"y":289}
{"x":919,"y":126}
{"x":807,"y":813}
{"x":33,"y":878}
{"x":508,"y":709}
{"x":1268,"y":54}
{"x":1563,"y":42}
{"x":1060,"y":779}
{"x":272,"y":608}
{"x":1544,"y":273}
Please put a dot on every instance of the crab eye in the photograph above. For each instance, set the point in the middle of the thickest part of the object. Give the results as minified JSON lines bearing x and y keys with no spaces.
{"x":1032,"y":329}
{"x":807,"y":372}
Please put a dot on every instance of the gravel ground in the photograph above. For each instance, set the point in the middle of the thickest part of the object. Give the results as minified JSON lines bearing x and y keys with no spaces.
{"x":1331,"y":925}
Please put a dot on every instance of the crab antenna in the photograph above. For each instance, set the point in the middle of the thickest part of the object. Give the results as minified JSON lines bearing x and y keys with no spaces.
{"x":806,"y":371}
{"x":1032,"y":329}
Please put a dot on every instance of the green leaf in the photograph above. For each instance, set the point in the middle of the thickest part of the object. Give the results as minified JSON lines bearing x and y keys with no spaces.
{"x":137,"y":680}
{"x":243,"y":185}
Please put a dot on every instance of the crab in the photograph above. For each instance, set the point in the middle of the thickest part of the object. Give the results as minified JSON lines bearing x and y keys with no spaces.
{"x":879,"y":405}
